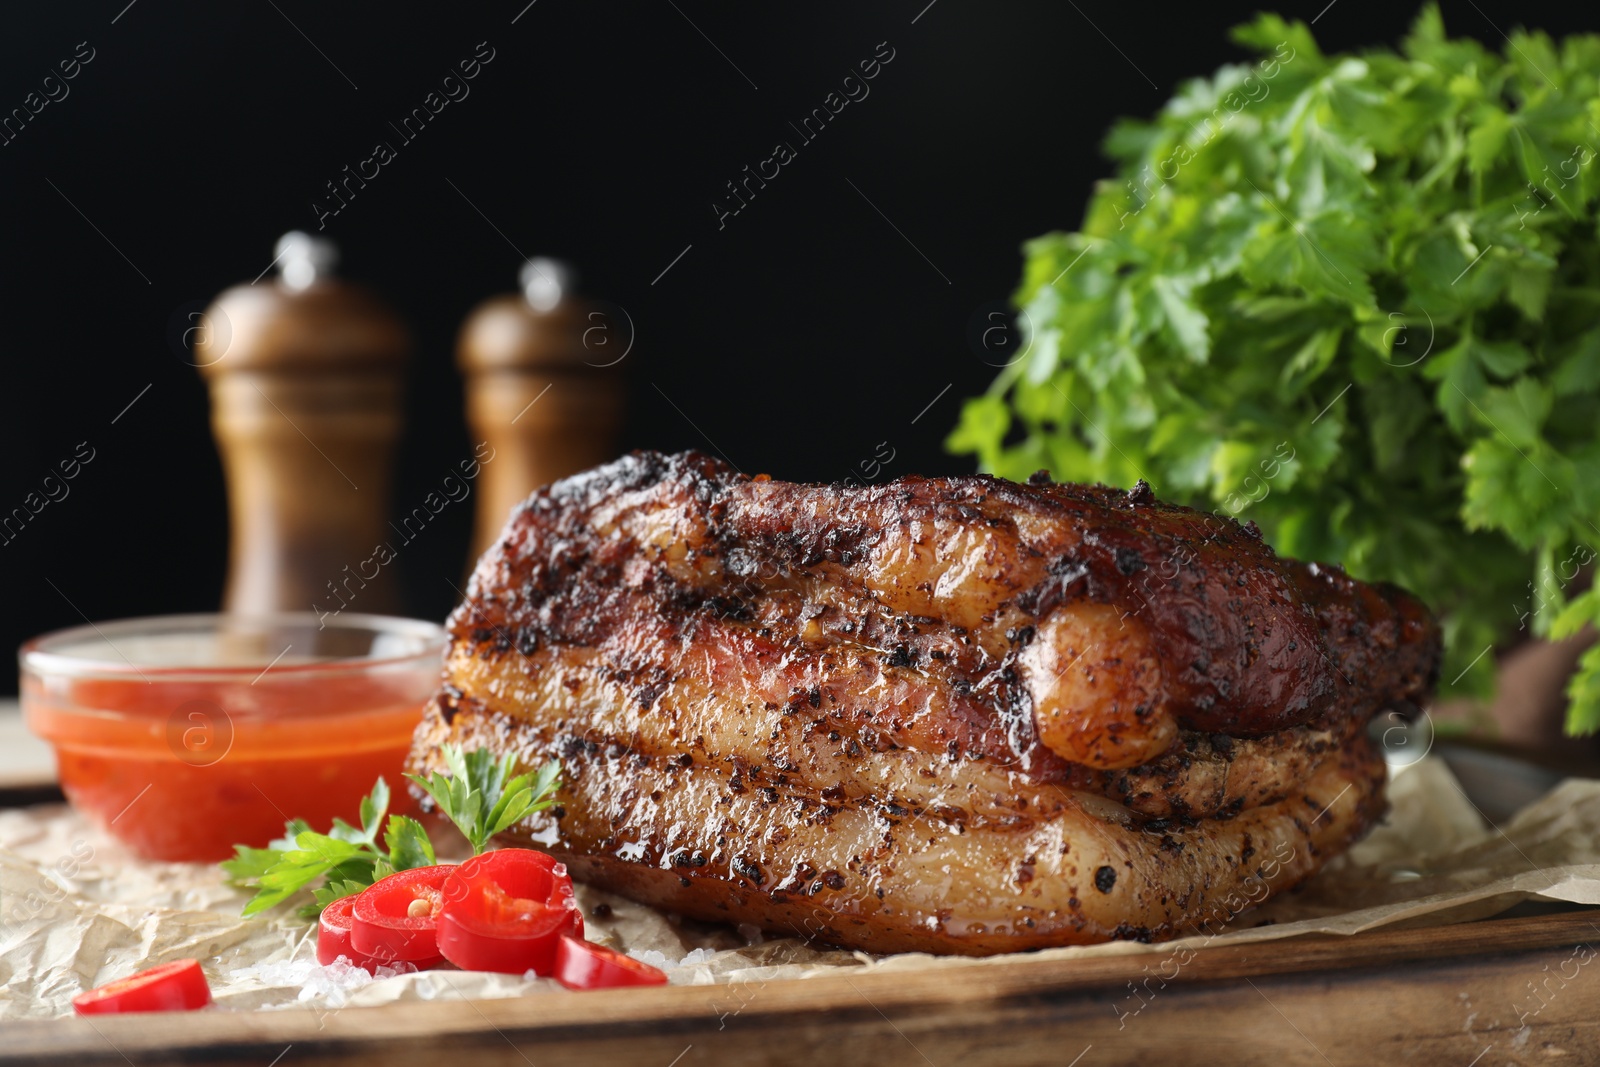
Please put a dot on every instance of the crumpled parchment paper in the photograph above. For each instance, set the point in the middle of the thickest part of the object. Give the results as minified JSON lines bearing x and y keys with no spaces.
{"x":76,"y":910}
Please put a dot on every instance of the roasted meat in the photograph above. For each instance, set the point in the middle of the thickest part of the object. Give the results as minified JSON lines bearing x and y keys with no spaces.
{"x":943,"y":714}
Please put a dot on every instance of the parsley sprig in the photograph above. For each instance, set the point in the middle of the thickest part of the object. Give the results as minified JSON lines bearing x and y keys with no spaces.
{"x":1352,"y":297}
{"x":481,"y":796}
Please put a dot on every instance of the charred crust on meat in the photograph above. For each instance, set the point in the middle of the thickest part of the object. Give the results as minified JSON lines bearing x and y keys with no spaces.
{"x":1129,"y":932}
{"x":656,"y":680}
{"x":901,"y":656}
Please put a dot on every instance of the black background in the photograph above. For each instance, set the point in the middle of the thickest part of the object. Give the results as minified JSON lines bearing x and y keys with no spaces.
{"x":798,"y":337}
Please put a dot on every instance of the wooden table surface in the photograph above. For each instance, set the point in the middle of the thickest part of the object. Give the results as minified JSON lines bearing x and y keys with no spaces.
{"x":24,"y":759}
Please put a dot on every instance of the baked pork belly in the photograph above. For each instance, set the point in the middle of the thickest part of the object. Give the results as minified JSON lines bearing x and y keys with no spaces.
{"x":957,"y":715}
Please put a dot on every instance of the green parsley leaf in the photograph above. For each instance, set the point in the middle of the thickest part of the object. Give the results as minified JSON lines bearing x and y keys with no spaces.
{"x":408,"y":844}
{"x":249,"y":863}
{"x":373,"y":807}
{"x":327,"y":894}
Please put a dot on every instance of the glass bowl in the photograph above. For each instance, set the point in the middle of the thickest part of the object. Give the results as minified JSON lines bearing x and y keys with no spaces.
{"x":185,"y":734}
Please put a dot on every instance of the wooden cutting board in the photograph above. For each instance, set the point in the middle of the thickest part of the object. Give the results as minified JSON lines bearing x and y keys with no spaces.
{"x":1447,"y":996}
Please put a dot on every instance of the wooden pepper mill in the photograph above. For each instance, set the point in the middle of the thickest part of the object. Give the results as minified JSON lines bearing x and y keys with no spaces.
{"x":543,"y":388}
{"x":306,"y":375}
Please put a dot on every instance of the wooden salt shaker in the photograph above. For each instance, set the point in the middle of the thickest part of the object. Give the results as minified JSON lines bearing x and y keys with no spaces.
{"x":543,"y":388}
{"x":306,"y":375}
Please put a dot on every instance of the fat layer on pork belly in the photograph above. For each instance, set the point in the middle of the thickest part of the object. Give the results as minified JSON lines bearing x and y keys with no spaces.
{"x":957,"y":714}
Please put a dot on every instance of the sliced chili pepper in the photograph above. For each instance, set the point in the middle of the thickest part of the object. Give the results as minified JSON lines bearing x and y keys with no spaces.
{"x":176,"y":986}
{"x":586,"y":965}
{"x":333,"y":940}
{"x":393,"y":919}
{"x":506,"y":910}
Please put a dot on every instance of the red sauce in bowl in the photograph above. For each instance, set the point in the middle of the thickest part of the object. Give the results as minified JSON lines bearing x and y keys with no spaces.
{"x":182,"y":763}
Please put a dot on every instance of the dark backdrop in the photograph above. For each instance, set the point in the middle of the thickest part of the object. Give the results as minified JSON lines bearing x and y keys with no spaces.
{"x":820,"y":321}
